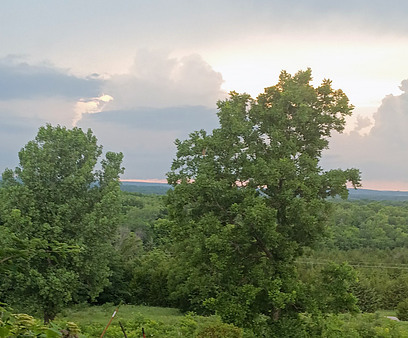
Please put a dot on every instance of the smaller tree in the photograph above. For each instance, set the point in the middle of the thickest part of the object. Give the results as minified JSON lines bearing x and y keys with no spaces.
{"x":68,"y":211}
{"x":335,"y":288}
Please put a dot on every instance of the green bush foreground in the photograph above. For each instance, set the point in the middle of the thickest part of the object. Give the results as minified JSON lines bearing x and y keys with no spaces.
{"x":167,"y":322}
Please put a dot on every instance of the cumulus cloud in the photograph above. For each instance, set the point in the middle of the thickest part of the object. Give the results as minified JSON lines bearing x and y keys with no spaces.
{"x":142,"y":112}
{"x":381,"y":153}
{"x":158,"y":80}
{"x":159,"y":99}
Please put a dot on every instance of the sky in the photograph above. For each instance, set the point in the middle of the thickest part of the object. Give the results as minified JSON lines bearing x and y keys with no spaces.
{"x":142,"y":73}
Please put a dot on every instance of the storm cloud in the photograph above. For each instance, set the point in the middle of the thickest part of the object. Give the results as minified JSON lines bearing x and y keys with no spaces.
{"x":21,"y":80}
{"x":140,"y":112}
{"x":381,"y":154}
{"x":146,"y":135}
{"x":141,"y":74}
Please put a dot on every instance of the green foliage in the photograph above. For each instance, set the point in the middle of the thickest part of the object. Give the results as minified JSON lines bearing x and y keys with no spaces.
{"x":402,"y":310}
{"x":64,"y":214}
{"x":363,"y":224}
{"x":382,"y":274}
{"x":371,"y":236}
{"x":145,"y":188}
{"x":167,"y":322}
{"x":328,"y":289}
{"x":368,"y":298}
{"x":250,"y":196}
{"x":139,"y":262}
{"x":353,"y":326}
{"x":157,"y":322}
{"x":23,"y":325}
{"x":220,"y":330}
{"x":140,"y":215}
{"x":335,"y":287}
{"x":149,"y":279}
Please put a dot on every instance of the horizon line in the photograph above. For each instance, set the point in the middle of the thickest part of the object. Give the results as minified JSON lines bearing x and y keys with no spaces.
{"x":369,"y":185}
{"x":147,"y":180}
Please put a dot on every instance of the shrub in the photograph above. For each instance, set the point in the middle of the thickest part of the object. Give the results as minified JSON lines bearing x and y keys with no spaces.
{"x":23,"y":325}
{"x":220,"y":330}
{"x":402,"y":310}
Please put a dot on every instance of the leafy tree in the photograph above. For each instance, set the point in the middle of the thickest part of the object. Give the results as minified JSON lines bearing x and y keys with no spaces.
{"x":250,"y":196}
{"x":368,"y":297}
{"x":140,"y":215}
{"x":59,"y":201}
{"x":335,"y":288}
{"x":149,"y":281}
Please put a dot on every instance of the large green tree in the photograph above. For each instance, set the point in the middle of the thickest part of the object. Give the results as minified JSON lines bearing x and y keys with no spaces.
{"x":63,"y":207}
{"x":248,"y":197}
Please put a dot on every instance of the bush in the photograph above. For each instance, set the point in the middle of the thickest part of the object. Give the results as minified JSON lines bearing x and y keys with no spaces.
{"x":220,"y":330}
{"x":149,"y":283}
{"x":402,"y":310}
{"x":368,"y":299}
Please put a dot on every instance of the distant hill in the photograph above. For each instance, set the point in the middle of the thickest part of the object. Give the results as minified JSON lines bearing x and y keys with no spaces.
{"x":377,"y":195}
{"x":145,"y":188}
{"x":359,"y":194}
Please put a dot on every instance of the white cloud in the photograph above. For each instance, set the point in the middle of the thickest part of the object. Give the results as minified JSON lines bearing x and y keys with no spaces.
{"x":158,"y":80}
{"x":91,"y":105}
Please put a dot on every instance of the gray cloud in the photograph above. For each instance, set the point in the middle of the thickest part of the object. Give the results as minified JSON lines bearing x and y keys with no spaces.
{"x":187,"y":118}
{"x":20,"y":80}
{"x":186,"y":21}
{"x":160,"y":99}
{"x":15,"y":131}
{"x":146,"y":135}
{"x":381,"y":154}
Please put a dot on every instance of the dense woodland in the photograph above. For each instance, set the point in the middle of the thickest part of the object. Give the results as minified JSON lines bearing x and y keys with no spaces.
{"x":251,"y":241}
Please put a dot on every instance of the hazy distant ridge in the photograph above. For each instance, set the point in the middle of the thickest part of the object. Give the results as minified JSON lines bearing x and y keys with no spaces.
{"x":377,"y":195}
{"x":145,"y":188}
{"x":359,"y":194}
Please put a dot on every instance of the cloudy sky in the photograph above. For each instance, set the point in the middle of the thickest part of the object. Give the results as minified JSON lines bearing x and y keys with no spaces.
{"x":143,"y":73}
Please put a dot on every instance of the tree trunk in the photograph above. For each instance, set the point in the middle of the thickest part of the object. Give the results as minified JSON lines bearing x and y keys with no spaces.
{"x":48,"y":317}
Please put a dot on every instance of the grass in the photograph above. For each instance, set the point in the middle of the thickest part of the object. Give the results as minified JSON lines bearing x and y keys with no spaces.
{"x":170,"y":322}
{"x":82,"y":314}
{"x":392,"y":313}
{"x":385,"y":313}
{"x":156,"y":321}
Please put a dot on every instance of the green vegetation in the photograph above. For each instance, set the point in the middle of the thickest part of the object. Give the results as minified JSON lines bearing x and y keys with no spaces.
{"x":249,"y":242}
{"x":59,"y":216}
{"x":402,"y":310}
{"x":363,"y":224}
{"x":23,"y":325}
{"x":156,"y":322}
{"x":249,"y":197}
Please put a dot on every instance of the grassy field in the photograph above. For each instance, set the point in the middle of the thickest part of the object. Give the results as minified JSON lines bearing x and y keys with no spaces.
{"x":168,"y":322}
{"x":102,"y":314}
{"x":156,"y":321}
